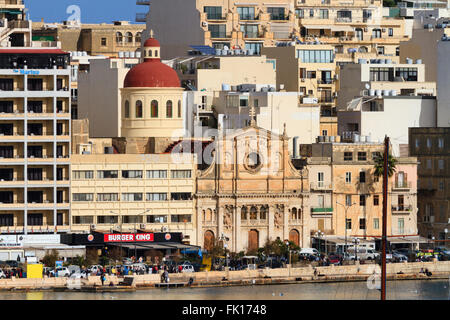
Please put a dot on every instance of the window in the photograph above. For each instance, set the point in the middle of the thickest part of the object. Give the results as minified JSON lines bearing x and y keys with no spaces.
{"x":6,"y":84}
{"x":156,"y":197}
{"x":323,"y":14}
{"x":441,"y":164}
{"x":157,"y":174}
{"x":408,"y":74}
{"x":103,"y":42}
{"x":119,"y":37}
{"x":131,"y":196}
{"x":299,"y":13}
{"x":6,"y":106}
{"x":376,"y":223}
{"x":348,"y":177}
{"x":255,"y":48}
{"x":246,"y":13}
{"x":35,"y":219}
{"x":315,"y":56}
{"x":106,"y":197}
{"x":213,"y":13}
{"x":157,"y":219}
{"x":249,"y":31}
{"x":35,"y":197}
{"x":108,"y":174}
{"x":169,"y":109}
{"x":381,"y":74}
{"x":376,"y":200}
{"x":390,"y":32}
{"x":348,"y":223}
{"x":376,"y":33}
{"x":428,"y":163}
{"x":107,"y":219}
{"x":348,"y":200}
{"x":180,"y":218}
{"x":35,"y":174}
{"x":362,"y":200}
{"x":401,"y":225}
{"x":83,"y":197}
{"x":441,"y":143}
{"x":132,"y":174}
{"x":376,"y":155}
{"x":324,"y":132}
{"x":154,"y":109}
{"x":83,"y":175}
{"x":6,"y":220}
{"x":139,"y":109}
{"x":138,"y":37}
{"x":320,"y":176}
{"x":217,"y":30}
{"x":179,"y":108}
{"x":428,"y":143}
{"x":127,"y":109}
{"x":348,"y":156}
{"x":359,"y":34}
{"x":417,"y":142}
{"x":321,"y":201}
{"x":180,"y":196}
{"x":181,"y":174}
{"x":441,"y":185}
{"x":362,"y":224}
{"x":362,"y":177}
{"x":276,"y":13}
{"x":380,"y":50}
{"x":362,"y":156}
{"x":34,"y":106}
{"x":311,"y":13}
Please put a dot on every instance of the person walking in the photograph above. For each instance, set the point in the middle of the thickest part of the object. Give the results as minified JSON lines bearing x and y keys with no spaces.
{"x":103,"y":279}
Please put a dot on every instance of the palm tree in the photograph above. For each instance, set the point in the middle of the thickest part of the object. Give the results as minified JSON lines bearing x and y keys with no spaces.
{"x":379,"y":165}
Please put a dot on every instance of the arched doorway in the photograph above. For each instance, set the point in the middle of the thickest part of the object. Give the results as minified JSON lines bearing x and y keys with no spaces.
{"x":294,"y":236}
{"x":208,"y":242}
{"x":253,"y":240}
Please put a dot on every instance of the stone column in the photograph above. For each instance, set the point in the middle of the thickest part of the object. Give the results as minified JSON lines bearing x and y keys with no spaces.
{"x":271,"y":231}
{"x":219,"y":221}
{"x":237,"y":230}
{"x":199,"y":227}
{"x":285,"y":223}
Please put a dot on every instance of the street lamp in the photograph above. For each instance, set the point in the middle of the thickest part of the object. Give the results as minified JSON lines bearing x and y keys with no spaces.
{"x":120,"y":218}
{"x":135,"y":230}
{"x":289,"y":249}
{"x":319,"y":234}
{"x":346,"y":209}
{"x":356,"y":242}
{"x":226,"y":239}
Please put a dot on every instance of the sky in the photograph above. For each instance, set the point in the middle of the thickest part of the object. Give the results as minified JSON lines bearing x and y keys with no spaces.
{"x":91,"y":11}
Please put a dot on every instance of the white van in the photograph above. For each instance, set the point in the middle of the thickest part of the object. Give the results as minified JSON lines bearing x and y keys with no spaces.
{"x":363,"y":254}
{"x":309,"y":251}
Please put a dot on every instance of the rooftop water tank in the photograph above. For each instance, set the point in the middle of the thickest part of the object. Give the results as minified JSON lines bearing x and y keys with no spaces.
{"x":355,"y":137}
{"x":388,"y":61}
{"x":409,"y":61}
{"x":372,"y":92}
{"x":386,"y":92}
{"x":362,"y":138}
{"x":218,"y":52}
{"x":419,"y":61}
{"x":378,"y":93}
{"x":393,"y":93}
{"x":121,"y":55}
{"x":362,"y":61}
{"x":332,"y":139}
{"x":321,"y":138}
{"x":138,"y":54}
{"x":132,"y":54}
{"x":225,"y":87}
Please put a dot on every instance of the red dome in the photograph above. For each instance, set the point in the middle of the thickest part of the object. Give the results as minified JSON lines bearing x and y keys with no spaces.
{"x":152,"y":42}
{"x":152,"y":73}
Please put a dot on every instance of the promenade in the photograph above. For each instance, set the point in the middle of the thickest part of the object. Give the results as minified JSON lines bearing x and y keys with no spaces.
{"x":395,"y":271}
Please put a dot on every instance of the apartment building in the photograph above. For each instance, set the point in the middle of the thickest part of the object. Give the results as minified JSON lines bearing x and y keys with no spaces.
{"x":353,"y":28}
{"x":443,"y":82}
{"x":385,"y":99}
{"x":119,"y":38}
{"x":346,"y":197}
{"x":34,"y":150}
{"x":310,"y":70}
{"x":431,"y":147}
{"x":15,"y":30}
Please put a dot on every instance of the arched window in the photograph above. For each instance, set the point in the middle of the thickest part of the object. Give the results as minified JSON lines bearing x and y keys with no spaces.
{"x":169,"y":109}
{"x":244,"y":213}
{"x":139,"y":37}
{"x":119,"y":37}
{"x":363,"y":49}
{"x":263,"y":213}
{"x":209,"y":215}
{"x":149,"y":53}
{"x":156,"y":53}
{"x":127,"y":109}
{"x":179,"y":108}
{"x":154,"y":109}
{"x":129,"y":37}
{"x":139,"y":109}
{"x":294,"y":214}
{"x":253,"y":213}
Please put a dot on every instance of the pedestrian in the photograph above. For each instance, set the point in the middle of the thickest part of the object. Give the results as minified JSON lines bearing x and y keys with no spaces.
{"x":102,"y":279}
{"x":180,"y":268}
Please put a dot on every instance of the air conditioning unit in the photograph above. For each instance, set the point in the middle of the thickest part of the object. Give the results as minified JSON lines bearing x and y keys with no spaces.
{"x":93,"y":226}
{"x":336,"y":77}
{"x":383,"y":30}
{"x":165,"y":229}
{"x":335,"y":94}
{"x":366,"y":29}
{"x":302,"y":80}
{"x":142,"y":226}
{"x":204,"y":24}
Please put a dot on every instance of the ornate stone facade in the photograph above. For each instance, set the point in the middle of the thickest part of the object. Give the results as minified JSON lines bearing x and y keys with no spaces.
{"x":251,"y":192}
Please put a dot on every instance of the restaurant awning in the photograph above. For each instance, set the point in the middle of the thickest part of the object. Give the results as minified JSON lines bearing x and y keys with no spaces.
{"x":342,"y":28}
{"x":318,"y":26}
{"x":158,"y":245}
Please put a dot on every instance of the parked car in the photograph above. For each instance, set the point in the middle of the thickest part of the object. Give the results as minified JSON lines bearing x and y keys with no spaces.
{"x":60,"y":272}
{"x":79,"y":275}
{"x":362,"y":254}
{"x":335,"y":259}
{"x":187,"y":268}
{"x":312,"y":251}
{"x":94,"y":269}
{"x":2,"y":274}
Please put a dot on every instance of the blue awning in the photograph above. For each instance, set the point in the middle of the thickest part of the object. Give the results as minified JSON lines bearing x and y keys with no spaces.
{"x":205,"y":49}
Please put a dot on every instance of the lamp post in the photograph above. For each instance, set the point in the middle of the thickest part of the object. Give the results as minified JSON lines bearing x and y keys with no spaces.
{"x":319,"y":234}
{"x":346,"y":209}
{"x":289,"y":249}
{"x":356,"y":242}
{"x":120,"y":218}
{"x":135,"y":230}
{"x":226,"y":239}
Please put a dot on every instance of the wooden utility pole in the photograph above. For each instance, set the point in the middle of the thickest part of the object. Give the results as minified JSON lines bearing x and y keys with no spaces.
{"x":384,"y":235}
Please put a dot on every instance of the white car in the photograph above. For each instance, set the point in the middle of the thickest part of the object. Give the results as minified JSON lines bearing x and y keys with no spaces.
{"x":60,"y":272}
{"x":187,"y":268}
{"x":94,"y":269}
{"x":2,"y":275}
{"x":78,"y":275}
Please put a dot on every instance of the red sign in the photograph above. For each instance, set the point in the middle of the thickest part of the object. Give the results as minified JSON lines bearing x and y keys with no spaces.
{"x":128,"y":237}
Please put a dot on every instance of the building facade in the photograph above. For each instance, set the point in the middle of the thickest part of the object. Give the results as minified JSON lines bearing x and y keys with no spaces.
{"x":431,"y":147}
{"x":15,"y":30}
{"x":35,"y":145}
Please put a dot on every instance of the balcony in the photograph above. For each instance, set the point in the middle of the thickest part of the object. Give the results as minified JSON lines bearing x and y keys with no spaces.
{"x":401,"y":209}
{"x":321,"y":210}
{"x":219,"y":35}
{"x":253,"y":35}
{"x":325,"y":81}
{"x":248,"y":17}
{"x":320,"y":186}
{"x":405,"y":185}
{"x":141,"y":17}
{"x":343,"y":19}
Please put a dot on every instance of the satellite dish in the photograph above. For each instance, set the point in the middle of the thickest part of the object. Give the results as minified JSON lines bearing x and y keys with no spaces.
{"x":367,"y":86}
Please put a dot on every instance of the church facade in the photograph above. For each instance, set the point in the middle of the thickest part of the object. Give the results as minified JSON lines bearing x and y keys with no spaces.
{"x":251,"y":193}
